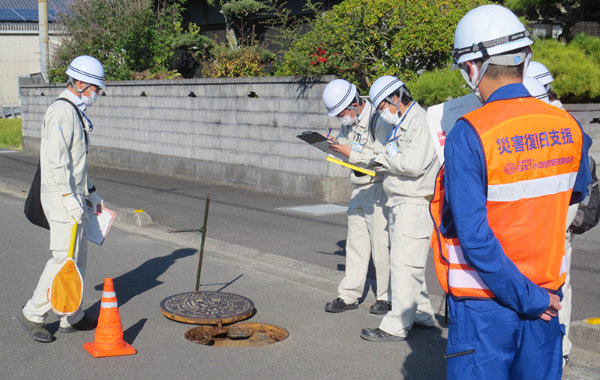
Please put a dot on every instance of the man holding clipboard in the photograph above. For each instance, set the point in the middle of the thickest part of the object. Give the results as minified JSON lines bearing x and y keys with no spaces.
{"x":408,"y":158}
{"x":367,"y":215}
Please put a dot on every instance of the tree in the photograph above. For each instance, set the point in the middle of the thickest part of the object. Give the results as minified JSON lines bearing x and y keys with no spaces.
{"x":236,"y":10}
{"x":569,"y":12}
{"x":126,"y":36}
{"x":362,"y":40}
{"x":286,"y":28}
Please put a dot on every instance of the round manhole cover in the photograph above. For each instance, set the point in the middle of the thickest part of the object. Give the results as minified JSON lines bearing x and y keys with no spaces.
{"x":207,"y":308}
{"x":243,"y":334}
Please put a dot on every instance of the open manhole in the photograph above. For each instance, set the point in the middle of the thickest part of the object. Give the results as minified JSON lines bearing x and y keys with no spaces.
{"x":243,"y":334}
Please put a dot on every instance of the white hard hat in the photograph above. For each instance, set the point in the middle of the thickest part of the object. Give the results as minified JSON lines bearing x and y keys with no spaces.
{"x":536,"y":88}
{"x":488,"y":30}
{"x":539,"y":72}
{"x":338,"y":95}
{"x":382,"y":88}
{"x":86,"y":69}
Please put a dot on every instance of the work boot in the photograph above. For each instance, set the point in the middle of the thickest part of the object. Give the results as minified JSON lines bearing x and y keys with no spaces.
{"x":378,"y":335}
{"x":381,"y":307}
{"x":338,"y":305}
{"x":36,"y":330}
{"x":84,"y":324}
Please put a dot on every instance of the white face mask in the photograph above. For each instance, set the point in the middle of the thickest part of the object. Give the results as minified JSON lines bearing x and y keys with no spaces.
{"x":88,"y":101}
{"x":389,"y":117}
{"x":347,"y":120}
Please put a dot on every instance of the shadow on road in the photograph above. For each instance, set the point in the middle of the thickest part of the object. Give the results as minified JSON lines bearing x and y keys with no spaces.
{"x":142,"y":278}
{"x":426,"y":360}
{"x":341,"y":251}
{"x":131,"y":333}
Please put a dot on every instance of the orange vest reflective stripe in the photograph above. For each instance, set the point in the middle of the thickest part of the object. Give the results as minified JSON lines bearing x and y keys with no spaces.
{"x":533,"y":152}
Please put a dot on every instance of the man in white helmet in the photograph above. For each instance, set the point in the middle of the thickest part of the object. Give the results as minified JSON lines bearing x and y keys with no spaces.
{"x":367,"y":215}
{"x":500,"y":207}
{"x":535,"y":88}
{"x":66,"y":190}
{"x":408,"y":159}
{"x":540,"y":72}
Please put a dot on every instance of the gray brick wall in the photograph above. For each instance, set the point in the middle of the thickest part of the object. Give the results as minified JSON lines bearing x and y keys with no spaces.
{"x":221,"y":135}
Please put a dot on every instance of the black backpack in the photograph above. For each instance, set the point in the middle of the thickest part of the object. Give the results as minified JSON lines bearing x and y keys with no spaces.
{"x":588,"y":212}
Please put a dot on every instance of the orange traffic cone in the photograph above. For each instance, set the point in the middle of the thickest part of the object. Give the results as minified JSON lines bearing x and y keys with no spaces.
{"x":108,"y":340}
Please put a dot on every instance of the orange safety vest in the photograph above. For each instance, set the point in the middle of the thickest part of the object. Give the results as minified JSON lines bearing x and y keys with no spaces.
{"x":533,"y":152}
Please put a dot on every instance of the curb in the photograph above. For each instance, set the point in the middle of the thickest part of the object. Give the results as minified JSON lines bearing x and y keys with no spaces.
{"x":585,"y":335}
{"x":131,"y":217}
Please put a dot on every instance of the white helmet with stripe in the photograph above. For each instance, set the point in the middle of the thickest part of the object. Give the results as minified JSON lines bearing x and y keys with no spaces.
{"x":536,"y":88}
{"x":493,"y":34}
{"x":540,"y":72}
{"x":338,"y":95}
{"x":86,"y":69}
{"x":383,"y":87}
{"x":486,"y":31}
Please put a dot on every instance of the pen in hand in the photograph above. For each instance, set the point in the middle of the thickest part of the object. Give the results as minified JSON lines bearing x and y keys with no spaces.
{"x":328,"y":132}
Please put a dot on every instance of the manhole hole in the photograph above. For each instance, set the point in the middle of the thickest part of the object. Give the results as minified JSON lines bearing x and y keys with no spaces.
{"x":243,"y":334}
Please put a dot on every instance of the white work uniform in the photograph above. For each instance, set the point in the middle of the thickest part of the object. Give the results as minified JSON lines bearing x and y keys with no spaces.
{"x":63,"y":162}
{"x":367,"y":214}
{"x":564,"y":314}
{"x":410,"y":166}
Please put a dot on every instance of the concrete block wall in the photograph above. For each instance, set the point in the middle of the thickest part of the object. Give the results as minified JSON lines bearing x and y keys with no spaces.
{"x":220,"y":134}
{"x":208,"y":129}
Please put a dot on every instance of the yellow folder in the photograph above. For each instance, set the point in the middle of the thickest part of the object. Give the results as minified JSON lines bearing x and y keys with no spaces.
{"x":353,"y":167}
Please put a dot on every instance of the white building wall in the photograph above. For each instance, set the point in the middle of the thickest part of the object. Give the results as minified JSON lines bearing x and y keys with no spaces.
{"x":20,"y":57}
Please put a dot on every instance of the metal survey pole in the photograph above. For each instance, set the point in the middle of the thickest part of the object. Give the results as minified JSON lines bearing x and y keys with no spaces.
{"x":202,"y":242}
{"x":43,"y":26}
{"x":206,"y":307}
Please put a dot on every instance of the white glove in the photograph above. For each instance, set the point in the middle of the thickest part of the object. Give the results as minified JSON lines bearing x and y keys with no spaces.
{"x":95,"y":201}
{"x":73,"y":207}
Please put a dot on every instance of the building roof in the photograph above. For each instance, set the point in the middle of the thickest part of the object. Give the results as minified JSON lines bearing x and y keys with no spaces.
{"x":27,"y":10}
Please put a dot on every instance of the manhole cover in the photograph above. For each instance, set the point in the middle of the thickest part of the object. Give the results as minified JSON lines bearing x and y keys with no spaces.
{"x":243,"y":334}
{"x":207,"y":308}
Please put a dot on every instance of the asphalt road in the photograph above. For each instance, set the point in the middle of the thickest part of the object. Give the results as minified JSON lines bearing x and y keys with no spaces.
{"x":288,"y":263}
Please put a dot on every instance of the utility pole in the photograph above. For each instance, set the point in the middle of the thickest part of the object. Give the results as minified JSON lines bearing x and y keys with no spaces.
{"x":43,"y":26}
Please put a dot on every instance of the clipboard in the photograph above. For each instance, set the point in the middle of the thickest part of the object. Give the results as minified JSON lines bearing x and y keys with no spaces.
{"x":320,"y":142}
{"x":99,"y":224}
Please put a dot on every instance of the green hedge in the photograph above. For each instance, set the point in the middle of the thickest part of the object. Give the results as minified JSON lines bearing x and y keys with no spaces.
{"x":575,"y":67}
{"x":438,"y":86}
